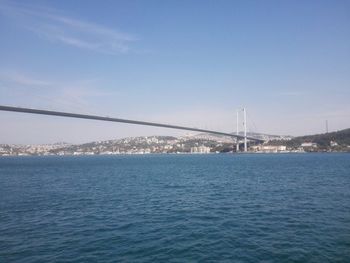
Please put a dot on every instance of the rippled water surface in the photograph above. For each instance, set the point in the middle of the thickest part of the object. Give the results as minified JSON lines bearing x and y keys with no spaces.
{"x":176,"y":208}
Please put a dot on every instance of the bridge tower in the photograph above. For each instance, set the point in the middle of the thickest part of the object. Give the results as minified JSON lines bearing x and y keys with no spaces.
{"x":237,"y":133}
{"x":245,"y":129}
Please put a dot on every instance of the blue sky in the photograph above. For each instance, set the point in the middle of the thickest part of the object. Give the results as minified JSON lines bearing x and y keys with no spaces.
{"x":182,"y":62}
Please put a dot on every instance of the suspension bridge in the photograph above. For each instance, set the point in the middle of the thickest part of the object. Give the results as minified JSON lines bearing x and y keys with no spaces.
{"x":237,"y":136}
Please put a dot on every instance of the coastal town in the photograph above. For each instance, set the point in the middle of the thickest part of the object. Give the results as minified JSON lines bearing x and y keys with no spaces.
{"x":188,"y":144}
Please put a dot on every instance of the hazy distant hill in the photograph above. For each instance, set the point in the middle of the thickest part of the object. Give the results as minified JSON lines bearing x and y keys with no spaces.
{"x":267,"y":137}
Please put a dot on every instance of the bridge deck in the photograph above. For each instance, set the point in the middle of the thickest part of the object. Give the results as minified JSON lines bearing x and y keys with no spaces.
{"x":101,"y":118}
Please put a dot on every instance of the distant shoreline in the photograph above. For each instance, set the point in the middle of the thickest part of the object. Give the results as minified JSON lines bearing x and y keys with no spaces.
{"x":191,"y":154}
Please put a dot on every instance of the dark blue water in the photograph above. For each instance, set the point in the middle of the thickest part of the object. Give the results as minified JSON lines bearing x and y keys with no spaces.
{"x":176,"y":208}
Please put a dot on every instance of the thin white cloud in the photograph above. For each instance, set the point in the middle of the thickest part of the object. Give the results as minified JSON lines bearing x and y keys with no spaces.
{"x":48,"y":24}
{"x":27,"y":90}
{"x":20,"y":79}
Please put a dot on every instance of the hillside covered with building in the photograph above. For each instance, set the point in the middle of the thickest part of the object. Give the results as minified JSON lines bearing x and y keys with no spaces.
{"x":196,"y":144}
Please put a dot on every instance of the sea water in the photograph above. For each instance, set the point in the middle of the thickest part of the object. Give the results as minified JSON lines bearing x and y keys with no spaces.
{"x":176,"y":208}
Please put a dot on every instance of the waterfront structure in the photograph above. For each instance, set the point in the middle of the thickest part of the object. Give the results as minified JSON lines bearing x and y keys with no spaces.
{"x":309,"y":144}
{"x":333,"y":143}
{"x":200,"y":149}
{"x":269,"y":148}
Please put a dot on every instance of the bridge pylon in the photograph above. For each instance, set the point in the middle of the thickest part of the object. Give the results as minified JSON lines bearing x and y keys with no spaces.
{"x":245,"y":129}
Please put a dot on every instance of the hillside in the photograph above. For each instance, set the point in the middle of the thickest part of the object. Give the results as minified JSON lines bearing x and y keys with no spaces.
{"x":169,"y":144}
{"x":130,"y":145}
{"x":323,"y":141}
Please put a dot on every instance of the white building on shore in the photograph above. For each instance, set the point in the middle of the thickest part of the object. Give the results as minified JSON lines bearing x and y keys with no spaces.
{"x":200,"y":149}
{"x":269,"y":148}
